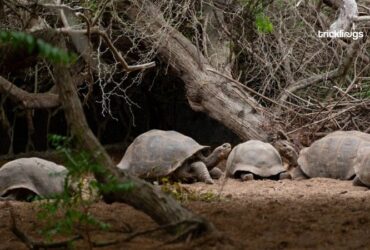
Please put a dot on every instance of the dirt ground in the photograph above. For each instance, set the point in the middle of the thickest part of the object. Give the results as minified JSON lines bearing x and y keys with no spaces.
{"x":316,"y":214}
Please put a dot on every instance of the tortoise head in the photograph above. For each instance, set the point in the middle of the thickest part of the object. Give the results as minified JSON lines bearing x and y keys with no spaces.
{"x":287,"y":151}
{"x":223,"y":151}
{"x":362,"y":165}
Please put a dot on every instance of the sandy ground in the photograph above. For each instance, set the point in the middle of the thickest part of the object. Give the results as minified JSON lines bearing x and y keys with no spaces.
{"x":309,"y":214}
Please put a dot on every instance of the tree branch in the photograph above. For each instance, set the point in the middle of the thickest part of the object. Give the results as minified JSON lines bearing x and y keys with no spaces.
{"x":117,"y":55}
{"x":26,"y":99}
{"x":342,"y":69}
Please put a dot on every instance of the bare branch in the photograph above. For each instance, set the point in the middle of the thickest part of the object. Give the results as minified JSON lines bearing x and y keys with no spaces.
{"x":63,"y":6}
{"x":340,"y":71}
{"x":28,"y":100}
{"x":362,"y":18}
{"x":117,"y":55}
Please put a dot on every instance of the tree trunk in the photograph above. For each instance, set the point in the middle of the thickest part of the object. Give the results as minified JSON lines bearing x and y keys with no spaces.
{"x":144,"y":196}
{"x":208,"y":90}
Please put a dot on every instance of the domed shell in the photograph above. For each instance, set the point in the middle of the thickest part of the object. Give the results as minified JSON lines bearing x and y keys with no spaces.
{"x":158,"y":153}
{"x":40,"y":176}
{"x":333,"y":156}
{"x":254,"y":156}
{"x":362,"y":165}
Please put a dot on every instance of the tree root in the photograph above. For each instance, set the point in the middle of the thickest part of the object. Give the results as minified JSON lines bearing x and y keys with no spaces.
{"x":192,"y":229}
{"x":31,"y":243}
{"x":189,"y":230}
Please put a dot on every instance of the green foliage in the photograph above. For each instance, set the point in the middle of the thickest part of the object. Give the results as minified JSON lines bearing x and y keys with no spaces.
{"x":182,"y":194}
{"x":71,"y":210}
{"x":38,"y":46}
{"x":263,"y":23}
{"x":256,"y":10}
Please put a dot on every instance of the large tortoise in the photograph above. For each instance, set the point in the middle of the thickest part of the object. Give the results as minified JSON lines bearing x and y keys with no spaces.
{"x":362,"y":167}
{"x":28,"y":177}
{"x":159,"y":153}
{"x":333,"y":156}
{"x":255,"y":160}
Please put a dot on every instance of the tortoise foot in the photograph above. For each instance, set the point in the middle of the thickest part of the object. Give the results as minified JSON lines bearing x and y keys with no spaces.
{"x":356,"y":182}
{"x":215,"y":173}
{"x":284,"y":176}
{"x":201,"y":172}
{"x":246,"y":177}
{"x":209,"y":181}
{"x":297,"y":174}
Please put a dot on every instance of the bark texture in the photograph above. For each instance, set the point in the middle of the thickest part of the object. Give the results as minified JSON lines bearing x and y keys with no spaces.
{"x":208,"y":90}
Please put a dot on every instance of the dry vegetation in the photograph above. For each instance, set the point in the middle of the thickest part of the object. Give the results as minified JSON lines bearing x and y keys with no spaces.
{"x":311,"y":85}
{"x":269,"y":50}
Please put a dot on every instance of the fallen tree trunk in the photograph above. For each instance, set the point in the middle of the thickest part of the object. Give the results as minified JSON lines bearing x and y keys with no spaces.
{"x":208,"y":90}
{"x":144,"y":196}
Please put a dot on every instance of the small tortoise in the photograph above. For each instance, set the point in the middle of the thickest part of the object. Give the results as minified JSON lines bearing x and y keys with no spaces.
{"x":255,"y":160}
{"x":28,"y":177}
{"x":333,"y":156}
{"x":362,"y":167}
{"x":159,"y":153}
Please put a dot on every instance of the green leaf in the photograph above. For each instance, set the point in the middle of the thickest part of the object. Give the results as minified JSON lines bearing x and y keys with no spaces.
{"x":263,"y":24}
{"x":46,"y":50}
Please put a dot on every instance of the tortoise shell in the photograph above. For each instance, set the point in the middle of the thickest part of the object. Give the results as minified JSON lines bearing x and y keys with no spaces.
{"x":254,"y":156}
{"x":362,"y":165}
{"x":333,"y":156}
{"x":40,"y":176}
{"x":158,"y":153}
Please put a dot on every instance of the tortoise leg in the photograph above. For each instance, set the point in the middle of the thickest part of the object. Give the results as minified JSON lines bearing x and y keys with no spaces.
{"x":297,"y":174}
{"x":246,"y":177}
{"x":356,"y":182}
{"x":284,"y":175}
{"x":201,"y":172}
{"x":215,"y":173}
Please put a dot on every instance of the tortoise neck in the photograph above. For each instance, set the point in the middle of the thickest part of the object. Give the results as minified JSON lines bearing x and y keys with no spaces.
{"x":212,"y":160}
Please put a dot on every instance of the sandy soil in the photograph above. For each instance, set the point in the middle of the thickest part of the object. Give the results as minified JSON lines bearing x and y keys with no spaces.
{"x":309,"y":214}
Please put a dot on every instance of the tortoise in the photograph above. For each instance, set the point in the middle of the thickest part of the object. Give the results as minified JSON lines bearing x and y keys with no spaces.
{"x":24,"y":178}
{"x":255,"y":160}
{"x":158,"y":153}
{"x":333,"y":156}
{"x":362,"y":167}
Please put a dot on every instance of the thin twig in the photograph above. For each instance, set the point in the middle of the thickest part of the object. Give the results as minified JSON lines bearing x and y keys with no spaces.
{"x":251,"y":90}
{"x":322,"y":120}
{"x":100,"y":12}
{"x":116,"y":53}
